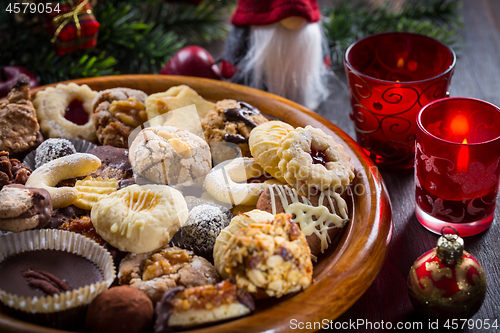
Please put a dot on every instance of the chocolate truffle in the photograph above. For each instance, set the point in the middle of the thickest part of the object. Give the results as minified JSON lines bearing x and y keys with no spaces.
{"x":52,"y":149}
{"x":203,"y":225}
{"x":120,"y":309}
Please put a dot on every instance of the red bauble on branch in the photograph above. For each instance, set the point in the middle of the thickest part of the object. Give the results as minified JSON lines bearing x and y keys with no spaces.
{"x":9,"y":74}
{"x":447,"y":282}
{"x":192,"y":61}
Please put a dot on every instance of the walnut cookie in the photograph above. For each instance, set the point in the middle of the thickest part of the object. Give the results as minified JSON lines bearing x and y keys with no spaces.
{"x":117,"y":112}
{"x":156,"y":272}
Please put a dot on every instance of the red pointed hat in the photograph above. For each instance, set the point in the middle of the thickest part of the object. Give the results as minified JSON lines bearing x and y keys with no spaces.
{"x":264,"y":12}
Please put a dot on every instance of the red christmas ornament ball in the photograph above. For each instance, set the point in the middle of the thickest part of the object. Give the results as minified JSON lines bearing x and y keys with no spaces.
{"x":9,"y":74}
{"x":192,"y":61}
{"x":447,"y":287}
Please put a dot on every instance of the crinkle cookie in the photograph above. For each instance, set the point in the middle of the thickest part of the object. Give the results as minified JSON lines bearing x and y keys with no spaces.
{"x":168,"y":155}
{"x":311,"y":161}
{"x":19,"y":127}
{"x":264,"y":142}
{"x":51,"y":105}
{"x":231,"y":121}
{"x":117,"y":112}
{"x":269,"y":259}
{"x":156,"y":272}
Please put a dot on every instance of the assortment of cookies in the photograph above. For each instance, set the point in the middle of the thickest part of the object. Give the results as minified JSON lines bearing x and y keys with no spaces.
{"x":204,"y":207}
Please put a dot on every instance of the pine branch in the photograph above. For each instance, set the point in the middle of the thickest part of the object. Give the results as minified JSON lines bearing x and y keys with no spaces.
{"x":348,"y":21}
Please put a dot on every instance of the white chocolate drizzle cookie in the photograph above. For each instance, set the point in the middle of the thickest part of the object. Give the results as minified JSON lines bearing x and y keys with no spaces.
{"x":264,"y":142}
{"x":50,"y":174}
{"x":318,"y":218}
{"x":51,"y":105}
{"x":223,"y":181}
{"x":139,"y":218}
{"x":312,"y":161}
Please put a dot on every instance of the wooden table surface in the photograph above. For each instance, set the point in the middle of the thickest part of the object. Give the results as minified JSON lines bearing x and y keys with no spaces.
{"x":477,"y":74}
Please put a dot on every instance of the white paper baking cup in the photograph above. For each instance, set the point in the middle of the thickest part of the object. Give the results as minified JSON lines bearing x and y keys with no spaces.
{"x":68,"y":307}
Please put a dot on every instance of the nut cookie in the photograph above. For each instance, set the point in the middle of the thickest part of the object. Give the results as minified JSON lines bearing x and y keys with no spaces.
{"x":312,"y":161}
{"x":19,"y":129}
{"x":168,"y":155}
{"x":231,"y":121}
{"x":269,"y":259}
{"x":118,"y":94}
{"x":156,"y":272}
{"x":264,"y":142}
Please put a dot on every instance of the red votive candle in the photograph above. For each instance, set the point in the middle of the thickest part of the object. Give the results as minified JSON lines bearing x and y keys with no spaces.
{"x":391,"y":77}
{"x":457,"y":165}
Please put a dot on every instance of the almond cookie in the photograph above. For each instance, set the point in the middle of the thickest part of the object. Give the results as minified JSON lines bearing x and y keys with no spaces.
{"x":23,"y":208}
{"x":320,"y":217}
{"x":312,"y":161}
{"x":264,"y":142}
{"x":231,"y":121}
{"x":156,"y":272}
{"x":19,"y":127}
{"x":269,"y":259}
{"x":175,"y":98}
{"x":182,"y":308}
{"x":168,"y":155}
{"x":139,"y":218}
{"x":51,"y":105}
{"x":239,"y":221}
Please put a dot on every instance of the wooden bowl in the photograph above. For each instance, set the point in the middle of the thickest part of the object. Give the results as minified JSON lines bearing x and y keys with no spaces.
{"x":344,"y":272}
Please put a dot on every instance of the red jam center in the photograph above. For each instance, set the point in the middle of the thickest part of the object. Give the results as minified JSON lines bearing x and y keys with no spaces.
{"x":319,"y":156}
{"x":76,"y":113}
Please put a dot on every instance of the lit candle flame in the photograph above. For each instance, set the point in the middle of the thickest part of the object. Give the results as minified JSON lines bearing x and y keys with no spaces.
{"x":401,"y":63}
{"x":463,"y":158}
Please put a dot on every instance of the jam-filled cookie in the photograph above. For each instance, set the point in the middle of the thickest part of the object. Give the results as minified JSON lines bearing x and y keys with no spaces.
{"x":312,"y":161}
{"x":65,"y":111}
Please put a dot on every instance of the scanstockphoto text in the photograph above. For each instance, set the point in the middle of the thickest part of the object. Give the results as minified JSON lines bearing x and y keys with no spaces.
{"x":430,"y":324}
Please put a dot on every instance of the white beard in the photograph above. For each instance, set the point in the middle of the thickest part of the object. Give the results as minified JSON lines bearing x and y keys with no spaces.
{"x":287,"y":62}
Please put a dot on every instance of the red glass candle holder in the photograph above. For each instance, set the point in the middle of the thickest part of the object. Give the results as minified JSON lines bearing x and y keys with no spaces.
{"x":457,"y":167}
{"x":391,"y":77}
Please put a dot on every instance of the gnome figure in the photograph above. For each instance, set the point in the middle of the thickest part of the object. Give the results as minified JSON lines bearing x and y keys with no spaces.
{"x":278,"y":46}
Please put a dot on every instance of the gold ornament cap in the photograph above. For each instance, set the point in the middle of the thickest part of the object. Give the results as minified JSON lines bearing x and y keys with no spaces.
{"x":450,"y":247}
